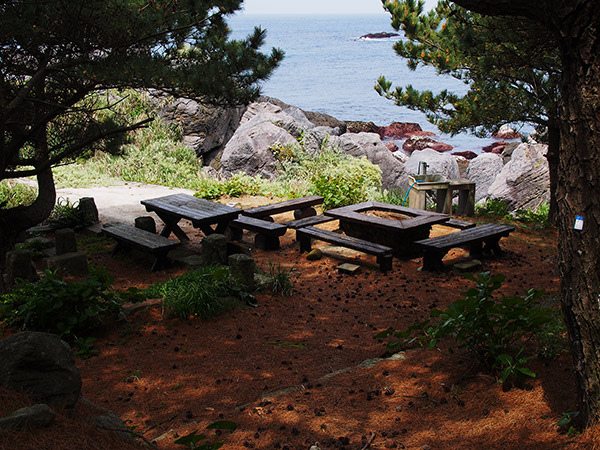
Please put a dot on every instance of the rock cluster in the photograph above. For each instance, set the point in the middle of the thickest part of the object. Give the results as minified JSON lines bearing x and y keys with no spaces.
{"x":511,"y":172}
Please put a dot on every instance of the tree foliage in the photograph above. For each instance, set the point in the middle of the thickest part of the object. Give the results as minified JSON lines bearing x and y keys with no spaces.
{"x":58,"y":56}
{"x":511,"y":65}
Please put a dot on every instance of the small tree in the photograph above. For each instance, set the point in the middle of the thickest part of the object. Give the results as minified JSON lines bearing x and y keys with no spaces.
{"x":56,"y":54}
{"x":511,"y":65}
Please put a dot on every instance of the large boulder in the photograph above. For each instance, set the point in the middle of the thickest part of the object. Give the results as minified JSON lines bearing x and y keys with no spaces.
{"x":524,"y":182}
{"x":437,"y":163}
{"x":483,"y":170}
{"x":42,"y":365}
{"x":369,"y":144}
{"x":248,"y":150}
{"x":206,"y":128}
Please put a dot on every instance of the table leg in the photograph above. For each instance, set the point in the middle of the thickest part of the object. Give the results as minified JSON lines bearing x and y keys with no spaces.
{"x":172,"y":227}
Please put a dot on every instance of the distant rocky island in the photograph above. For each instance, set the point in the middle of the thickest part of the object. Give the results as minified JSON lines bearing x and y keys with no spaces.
{"x":381,"y":35}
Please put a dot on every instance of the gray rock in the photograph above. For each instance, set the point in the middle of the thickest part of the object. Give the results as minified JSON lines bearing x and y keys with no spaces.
{"x":114,"y":424}
{"x":68,"y":264}
{"x":146,"y":223}
{"x":36,"y":416}
{"x":19,"y":266}
{"x":393,"y":173}
{"x":214,"y":249}
{"x":87,"y":210}
{"x":248,"y":150}
{"x":65,"y":241}
{"x":483,"y":170}
{"x":524,"y":182}
{"x":42,"y":365}
{"x":243,"y":267}
{"x":438,"y":163}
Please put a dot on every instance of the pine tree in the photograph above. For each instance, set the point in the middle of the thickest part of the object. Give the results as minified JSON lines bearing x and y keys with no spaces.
{"x":55,"y":55}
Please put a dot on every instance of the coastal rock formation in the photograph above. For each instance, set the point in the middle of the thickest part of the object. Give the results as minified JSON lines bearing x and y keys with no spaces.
{"x":399,"y":130}
{"x":506,"y":132}
{"x":393,"y":172}
{"x":438,"y":163}
{"x":524,"y":182}
{"x":422,"y":142}
{"x":380,"y":35}
{"x":483,"y":170}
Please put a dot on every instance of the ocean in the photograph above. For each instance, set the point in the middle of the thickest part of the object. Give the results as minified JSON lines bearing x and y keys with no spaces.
{"x":329,"y":69}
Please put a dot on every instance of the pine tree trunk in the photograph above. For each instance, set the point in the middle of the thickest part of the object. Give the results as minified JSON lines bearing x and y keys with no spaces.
{"x":578,"y":187}
{"x":553,"y":160}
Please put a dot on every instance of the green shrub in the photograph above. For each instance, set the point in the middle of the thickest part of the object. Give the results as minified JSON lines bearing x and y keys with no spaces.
{"x":493,"y":209}
{"x":53,"y":305}
{"x":66,"y":214}
{"x":13,"y":194}
{"x":278,"y":280}
{"x":538,"y":217}
{"x":205,"y":293}
{"x":492,"y":328}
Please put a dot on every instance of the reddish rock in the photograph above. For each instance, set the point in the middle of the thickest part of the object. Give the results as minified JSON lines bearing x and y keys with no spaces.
{"x":496,"y":147}
{"x":468,"y":154}
{"x":391,"y":145}
{"x":423,"y":133}
{"x":400,"y":130}
{"x":440,"y":147}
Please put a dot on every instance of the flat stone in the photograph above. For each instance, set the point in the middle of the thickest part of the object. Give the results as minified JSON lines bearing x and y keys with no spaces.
{"x":468,"y":266}
{"x":348,"y":268}
{"x":36,"y":416}
{"x":68,"y":264}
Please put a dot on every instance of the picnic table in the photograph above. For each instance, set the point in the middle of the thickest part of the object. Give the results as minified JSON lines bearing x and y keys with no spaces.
{"x":210,"y":217}
{"x":399,"y":230}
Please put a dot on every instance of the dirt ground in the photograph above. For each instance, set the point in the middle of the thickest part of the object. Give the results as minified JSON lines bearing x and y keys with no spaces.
{"x":302,"y":370}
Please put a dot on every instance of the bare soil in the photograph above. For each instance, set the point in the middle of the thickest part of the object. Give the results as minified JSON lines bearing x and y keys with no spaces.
{"x":291,"y":373}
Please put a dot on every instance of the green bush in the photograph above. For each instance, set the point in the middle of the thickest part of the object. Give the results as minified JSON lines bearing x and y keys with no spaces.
{"x":53,"y":305}
{"x":494,"y":329}
{"x":14,"y":194}
{"x":204,"y":293}
{"x":493,"y":209}
{"x":538,"y":217}
{"x":66,"y":215}
{"x":278,"y":280}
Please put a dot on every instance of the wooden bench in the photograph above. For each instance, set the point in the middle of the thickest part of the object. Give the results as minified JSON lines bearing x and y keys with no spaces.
{"x":302,"y":207}
{"x":267,"y":233}
{"x":129,"y":236}
{"x":307,"y":234}
{"x":460,"y":224}
{"x":434,"y":249}
{"x":308,"y":221}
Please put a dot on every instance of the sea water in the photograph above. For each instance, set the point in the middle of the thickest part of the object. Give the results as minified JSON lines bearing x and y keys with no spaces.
{"x":329,"y":69}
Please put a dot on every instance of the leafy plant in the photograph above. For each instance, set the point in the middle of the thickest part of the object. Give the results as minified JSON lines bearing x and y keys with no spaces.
{"x":85,"y":347}
{"x":205,"y":293}
{"x":193,"y":439}
{"x":278,"y":279}
{"x":494,"y":209}
{"x":538,"y":217}
{"x":65,"y":214}
{"x":493,"y":328}
{"x":51,"y":304}
{"x":13,"y":193}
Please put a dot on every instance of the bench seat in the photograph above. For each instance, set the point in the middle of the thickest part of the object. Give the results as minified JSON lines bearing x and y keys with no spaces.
{"x":383,"y":253}
{"x":302,"y":207}
{"x":129,"y":236}
{"x":267,"y":233}
{"x":474,"y":239}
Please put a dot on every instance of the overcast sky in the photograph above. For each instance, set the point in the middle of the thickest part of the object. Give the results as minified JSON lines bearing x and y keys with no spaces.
{"x":318,"y":6}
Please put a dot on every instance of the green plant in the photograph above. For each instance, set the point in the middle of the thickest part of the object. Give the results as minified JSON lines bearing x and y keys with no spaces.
{"x":494,"y":209}
{"x":192,"y":439}
{"x":565,"y":423}
{"x":538,"y":217}
{"x":51,"y":304}
{"x":85,"y":347}
{"x":204,"y":293}
{"x":493,"y":328}
{"x":65,"y":214}
{"x":278,"y":279}
{"x":13,"y":193}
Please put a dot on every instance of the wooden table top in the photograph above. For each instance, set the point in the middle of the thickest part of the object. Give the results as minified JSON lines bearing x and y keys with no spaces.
{"x":189,"y":207}
{"x":418,"y":217}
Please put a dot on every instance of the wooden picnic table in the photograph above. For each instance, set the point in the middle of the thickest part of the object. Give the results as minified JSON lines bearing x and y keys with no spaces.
{"x":397,"y":233}
{"x":210,"y":217}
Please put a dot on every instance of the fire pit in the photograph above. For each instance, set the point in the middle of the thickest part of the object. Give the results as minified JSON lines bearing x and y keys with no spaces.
{"x":391,"y":225}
